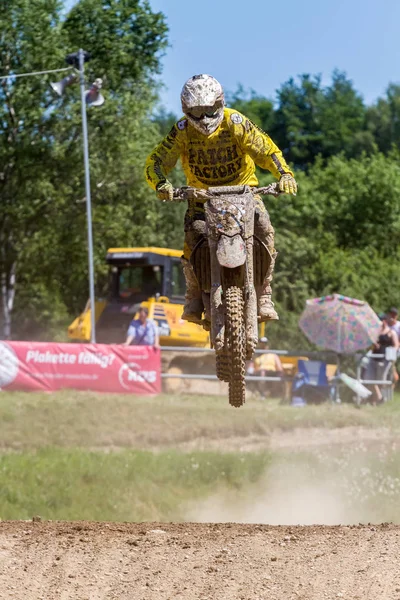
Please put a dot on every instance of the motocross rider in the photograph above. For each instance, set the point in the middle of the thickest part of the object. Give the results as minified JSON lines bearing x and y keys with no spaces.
{"x":218,"y":146}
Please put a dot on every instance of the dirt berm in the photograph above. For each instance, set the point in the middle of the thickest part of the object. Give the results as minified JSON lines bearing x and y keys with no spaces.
{"x":153,"y":561}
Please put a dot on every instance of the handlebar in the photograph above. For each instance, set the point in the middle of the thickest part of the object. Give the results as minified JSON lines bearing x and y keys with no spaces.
{"x":190,"y":193}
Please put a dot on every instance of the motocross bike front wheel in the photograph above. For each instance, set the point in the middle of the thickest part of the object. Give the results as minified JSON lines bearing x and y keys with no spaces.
{"x":235,"y":344}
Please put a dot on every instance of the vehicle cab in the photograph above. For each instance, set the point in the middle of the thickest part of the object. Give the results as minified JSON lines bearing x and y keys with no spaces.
{"x":152,"y":277}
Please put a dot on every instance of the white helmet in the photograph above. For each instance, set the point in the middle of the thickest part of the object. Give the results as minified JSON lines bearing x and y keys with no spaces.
{"x":203,"y":103}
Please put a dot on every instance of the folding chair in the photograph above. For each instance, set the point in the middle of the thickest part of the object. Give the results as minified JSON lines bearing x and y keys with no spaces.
{"x":311,"y":383}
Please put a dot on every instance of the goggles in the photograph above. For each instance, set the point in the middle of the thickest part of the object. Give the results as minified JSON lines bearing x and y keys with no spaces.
{"x":200,"y":112}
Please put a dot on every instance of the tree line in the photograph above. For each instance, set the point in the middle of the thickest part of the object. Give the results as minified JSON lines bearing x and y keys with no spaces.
{"x":339,"y":234}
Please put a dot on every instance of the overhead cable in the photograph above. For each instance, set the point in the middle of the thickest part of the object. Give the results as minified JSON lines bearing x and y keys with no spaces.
{"x":34,"y":73}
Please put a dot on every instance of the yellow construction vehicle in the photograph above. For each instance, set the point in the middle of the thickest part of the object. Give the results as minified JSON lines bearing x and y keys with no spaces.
{"x":150,"y":277}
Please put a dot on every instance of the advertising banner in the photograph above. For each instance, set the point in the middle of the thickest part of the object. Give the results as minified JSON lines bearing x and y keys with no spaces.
{"x":99,"y":367}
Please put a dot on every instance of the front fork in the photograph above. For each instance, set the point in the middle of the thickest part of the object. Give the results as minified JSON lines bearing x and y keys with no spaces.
{"x":217,"y":307}
{"x":250,"y":296}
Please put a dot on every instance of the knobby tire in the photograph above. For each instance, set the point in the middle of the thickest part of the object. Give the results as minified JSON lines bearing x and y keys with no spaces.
{"x":223,"y":367}
{"x":235,"y":344}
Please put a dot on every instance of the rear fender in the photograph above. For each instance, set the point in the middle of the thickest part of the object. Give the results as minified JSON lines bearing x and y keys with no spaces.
{"x":231,"y":251}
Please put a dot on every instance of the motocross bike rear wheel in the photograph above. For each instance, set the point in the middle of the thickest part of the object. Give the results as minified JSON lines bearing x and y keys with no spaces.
{"x":235,"y":344}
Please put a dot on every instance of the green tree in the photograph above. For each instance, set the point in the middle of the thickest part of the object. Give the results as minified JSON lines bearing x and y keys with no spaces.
{"x":164,"y":120}
{"x":310,"y":120}
{"x":42,"y":192}
{"x":28,"y":30}
{"x":343,"y":116}
{"x":383,"y":119}
{"x":340,"y":234}
{"x":296,"y":128}
{"x":257,"y":108}
{"x":357,"y":201}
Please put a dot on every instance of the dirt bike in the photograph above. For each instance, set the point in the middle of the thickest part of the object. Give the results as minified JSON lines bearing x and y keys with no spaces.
{"x":230,"y":263}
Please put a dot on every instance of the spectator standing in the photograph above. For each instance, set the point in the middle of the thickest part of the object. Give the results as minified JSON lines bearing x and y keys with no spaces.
{"x":392,"y":319}
{"x":394,"y":324}
{"x":142,"y":331}
{"x":387,"y":339}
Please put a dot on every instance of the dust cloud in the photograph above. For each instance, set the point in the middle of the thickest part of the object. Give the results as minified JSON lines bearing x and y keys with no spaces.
{"x":337,"y":490}
{"x":277,"y":500}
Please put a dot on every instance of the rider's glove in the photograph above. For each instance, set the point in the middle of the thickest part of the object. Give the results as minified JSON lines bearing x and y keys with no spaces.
{"x":287,"y":184}
{"x":165,"y":191}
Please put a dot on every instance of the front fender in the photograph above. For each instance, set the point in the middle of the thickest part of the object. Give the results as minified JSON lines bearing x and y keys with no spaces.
{"x":231,"y":251}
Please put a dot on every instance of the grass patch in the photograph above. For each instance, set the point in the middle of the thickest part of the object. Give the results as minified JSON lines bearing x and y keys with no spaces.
{"x":326,"y":485}
{"x":57,"y":461}
{"x":72,"y":419}
{"x":124,"y":486}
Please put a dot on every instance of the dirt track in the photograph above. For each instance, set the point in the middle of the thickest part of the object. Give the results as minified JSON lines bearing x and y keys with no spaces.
{"x":93,"y":561}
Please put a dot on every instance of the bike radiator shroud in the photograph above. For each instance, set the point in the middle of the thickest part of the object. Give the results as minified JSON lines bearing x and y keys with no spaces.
{"x":226,"y":219}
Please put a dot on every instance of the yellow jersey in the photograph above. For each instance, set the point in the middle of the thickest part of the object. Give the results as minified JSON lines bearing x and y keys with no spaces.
{"x":228,"y":156}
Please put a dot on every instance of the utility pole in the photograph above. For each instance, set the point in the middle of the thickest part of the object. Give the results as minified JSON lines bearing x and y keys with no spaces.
{"x":82,"y":56}
{"x":93,"y":97}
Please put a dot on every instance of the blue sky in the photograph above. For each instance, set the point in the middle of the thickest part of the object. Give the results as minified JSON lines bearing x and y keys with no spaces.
{"x":261,"y":44}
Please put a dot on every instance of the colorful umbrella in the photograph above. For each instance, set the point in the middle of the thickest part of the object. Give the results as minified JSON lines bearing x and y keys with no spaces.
{"x":339,"y":323}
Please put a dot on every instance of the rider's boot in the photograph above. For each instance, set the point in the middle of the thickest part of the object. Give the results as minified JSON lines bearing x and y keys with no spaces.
{"x":193,"y":309}
{"x":266,"y":310}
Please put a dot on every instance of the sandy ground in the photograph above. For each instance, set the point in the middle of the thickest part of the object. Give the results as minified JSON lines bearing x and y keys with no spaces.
{"x":96,"y":561}
{"x":299,"y":438}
